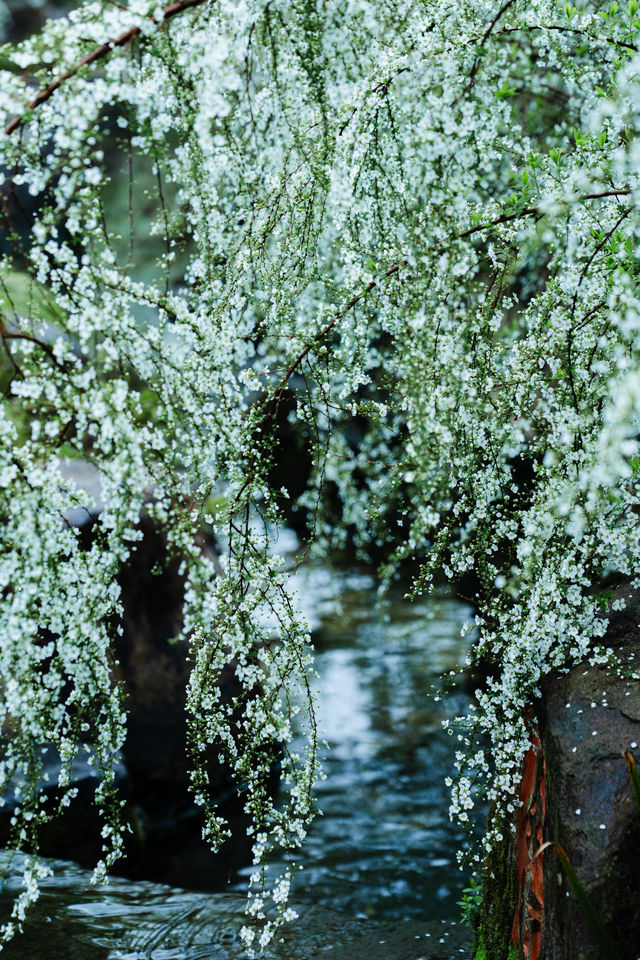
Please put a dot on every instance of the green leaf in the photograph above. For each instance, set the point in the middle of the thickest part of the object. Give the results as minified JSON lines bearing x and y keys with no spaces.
{"x":603,"y":599}
{"x":506,"y":90}
{"x":556,"y":155}
{"x":634,"y":776}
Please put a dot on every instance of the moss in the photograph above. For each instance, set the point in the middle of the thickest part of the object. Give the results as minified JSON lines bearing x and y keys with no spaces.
{"x":497,"y":909}
{"x":481,"y":953}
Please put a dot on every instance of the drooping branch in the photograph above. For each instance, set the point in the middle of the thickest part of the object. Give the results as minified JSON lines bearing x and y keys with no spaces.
{"x":98,"y":53}
{"x":321,"y":335}
{"x":273,"y":403}
{"x":476,"y":63}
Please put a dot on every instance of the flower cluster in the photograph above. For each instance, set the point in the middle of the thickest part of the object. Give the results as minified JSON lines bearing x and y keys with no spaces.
{"x":406,"y":232}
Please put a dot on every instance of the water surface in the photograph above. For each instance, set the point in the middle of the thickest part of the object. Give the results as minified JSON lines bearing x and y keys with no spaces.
{"x":384,"y":846}
{"x":380,"y":879}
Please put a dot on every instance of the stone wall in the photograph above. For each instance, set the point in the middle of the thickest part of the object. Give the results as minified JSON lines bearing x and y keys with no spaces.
{"x":576,"y":793}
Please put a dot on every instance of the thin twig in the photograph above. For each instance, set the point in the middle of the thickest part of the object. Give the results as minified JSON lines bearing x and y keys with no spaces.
{"x":98,"y":53}
{"x":393,"y":269}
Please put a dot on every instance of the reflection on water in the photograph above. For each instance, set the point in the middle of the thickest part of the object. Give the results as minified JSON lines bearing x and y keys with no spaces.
{"x":143,"y":921}
{"x":384,"y":847}
{"x":380,"y":875}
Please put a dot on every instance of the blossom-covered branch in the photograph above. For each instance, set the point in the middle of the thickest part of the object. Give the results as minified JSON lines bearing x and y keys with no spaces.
{"x":98,"y":53}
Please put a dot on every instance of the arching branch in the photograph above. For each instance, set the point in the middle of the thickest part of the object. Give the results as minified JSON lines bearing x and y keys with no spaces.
{"x":394,"y":268}
{"x":98,"y":53}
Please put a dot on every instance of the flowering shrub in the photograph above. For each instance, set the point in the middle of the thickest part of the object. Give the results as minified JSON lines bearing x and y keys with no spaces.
{"x":411,"y":225}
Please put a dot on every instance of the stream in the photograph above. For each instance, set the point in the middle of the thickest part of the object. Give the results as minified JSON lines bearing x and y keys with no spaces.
{"x":380,"y":877}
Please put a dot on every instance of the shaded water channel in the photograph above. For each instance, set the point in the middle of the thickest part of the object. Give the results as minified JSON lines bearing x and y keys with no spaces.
{"x":380,"y":877}
{"x":384,"y":846}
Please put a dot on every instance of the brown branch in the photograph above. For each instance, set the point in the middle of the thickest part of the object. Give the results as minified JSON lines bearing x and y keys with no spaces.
{"x":623,"y":192}
{"x":272,"y":405}
{"x":17,"y":335}
{"x":10,"y":357}
{"x":503,"y":9}
{"x":319,"y":337}
{"x":485,"y":36}
{"x":559,"y":29}
{"x":478,"y":60}
{"x":98,"y":53}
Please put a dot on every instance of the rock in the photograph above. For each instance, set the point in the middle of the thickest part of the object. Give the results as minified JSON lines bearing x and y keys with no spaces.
{"x":588,"y":717}
{"x":575,"y":793}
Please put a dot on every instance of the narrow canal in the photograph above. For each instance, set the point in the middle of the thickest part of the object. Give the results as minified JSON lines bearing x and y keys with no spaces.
{"x":380,"y":868}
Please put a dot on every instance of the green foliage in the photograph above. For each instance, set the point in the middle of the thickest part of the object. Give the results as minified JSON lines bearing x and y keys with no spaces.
{"x":471,"y":901}
{"x":21,"y":296}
